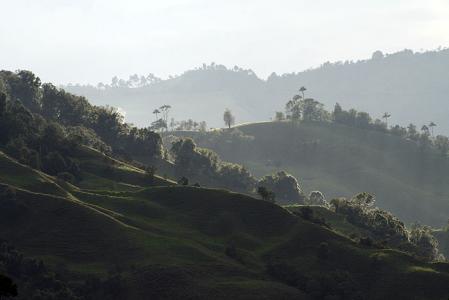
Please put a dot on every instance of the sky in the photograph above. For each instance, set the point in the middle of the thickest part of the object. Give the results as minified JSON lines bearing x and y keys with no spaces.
{"x":90,"y":41}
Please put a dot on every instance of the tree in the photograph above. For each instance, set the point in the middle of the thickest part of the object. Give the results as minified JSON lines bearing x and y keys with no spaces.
{"x":156,"y":112}
{"x":159,"y":124}
{"x":203,"y":126}
{"x":386,"y":116}
{"x":279,"y":116}
{"x":302,"y":90}
{"x":311,"y":109}
{"x":7,"y":287}
{"x":431,"y":126}
{"x":442,"y":144}
{"x":165,"y":109}
{"x":293,"y":109}
{"x":285,"y":186}
{"x":228,"y":118}
{"x":377,"y":55}
{"x":363,"y":120}
{"x":426,"y":243}
{"x":399,"y":131}
{"x":266,"y":194}
{"x":317,"y":198}
{"x":425,"y":130}
{"x":412,"y":133}
{"x":364,"y":199}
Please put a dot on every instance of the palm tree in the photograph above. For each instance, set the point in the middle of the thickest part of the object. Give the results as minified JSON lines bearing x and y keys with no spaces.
{"x":156,"y":112}
{"x":425,"y":129}
{"x":385,"y":117}
{"x":431,"y":125}
{"x":165,"y":108}
{"x":302,"y":90}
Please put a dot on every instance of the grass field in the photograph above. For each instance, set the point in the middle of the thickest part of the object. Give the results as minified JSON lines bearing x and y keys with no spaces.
{"x":170,"y":241}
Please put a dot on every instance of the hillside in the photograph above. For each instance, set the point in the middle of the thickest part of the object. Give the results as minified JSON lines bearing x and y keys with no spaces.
{"x":196,"y":243}
{"x":392,"y":82}
{"x":341,"y":161}
{"x":85,"y":214}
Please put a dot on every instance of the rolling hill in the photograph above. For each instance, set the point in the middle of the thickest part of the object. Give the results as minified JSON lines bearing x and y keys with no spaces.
{"x":196,"y":243}
{"x":342,"y":161}
{"x":82,"y":218}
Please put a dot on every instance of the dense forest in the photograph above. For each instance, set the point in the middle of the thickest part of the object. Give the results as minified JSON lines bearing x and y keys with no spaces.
{"x":411,"y":86}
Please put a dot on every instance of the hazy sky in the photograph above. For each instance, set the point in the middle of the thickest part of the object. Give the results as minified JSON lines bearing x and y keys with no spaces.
{"x":92,"y":40}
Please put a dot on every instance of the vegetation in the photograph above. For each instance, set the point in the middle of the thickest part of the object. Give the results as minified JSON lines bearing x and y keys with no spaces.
{"x":205,"y":166}
{"x":341,"y":160}
{"x":88,"y":221}
{"x":36,"y":117}
{"x":284,"y":186}
{"x":228,"y":118}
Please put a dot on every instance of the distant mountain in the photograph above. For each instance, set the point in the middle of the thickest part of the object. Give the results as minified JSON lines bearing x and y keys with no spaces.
{"x":411,"y":86}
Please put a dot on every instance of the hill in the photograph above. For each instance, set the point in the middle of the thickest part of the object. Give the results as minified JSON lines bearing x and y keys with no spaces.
{"x":342,"y":161}
{"x":82,"y":218}
{"x":392,"y":82}
{"x":196,"y":243}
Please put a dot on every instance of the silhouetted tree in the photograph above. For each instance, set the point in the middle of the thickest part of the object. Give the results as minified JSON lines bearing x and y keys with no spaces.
{"x":302,"y":90}
{"x":165,"y":109}
{"x":156,"y":112}
{"x":431,"y":126}
{"x":228,"y":118}
{"x":386,"y":116}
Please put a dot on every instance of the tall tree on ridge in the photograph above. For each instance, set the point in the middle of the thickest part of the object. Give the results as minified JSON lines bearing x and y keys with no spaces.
{"x":302,"y":90}
{"x":156,"y":112}
{"x":228,"y":118}
{"x":431,"y":126}
{"x":165,"y":108}
{"x":386,"y":116}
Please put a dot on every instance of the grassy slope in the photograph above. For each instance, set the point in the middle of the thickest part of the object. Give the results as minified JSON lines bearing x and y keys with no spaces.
{"x":176,"y":236}
{"x":341,"y":161}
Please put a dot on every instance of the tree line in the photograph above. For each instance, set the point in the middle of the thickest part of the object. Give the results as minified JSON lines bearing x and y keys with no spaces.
{"x":40,"y":125}
{"x":303,"y":109}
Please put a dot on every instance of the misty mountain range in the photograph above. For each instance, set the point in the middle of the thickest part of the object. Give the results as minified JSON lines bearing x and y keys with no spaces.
{"x":411,"y":86}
